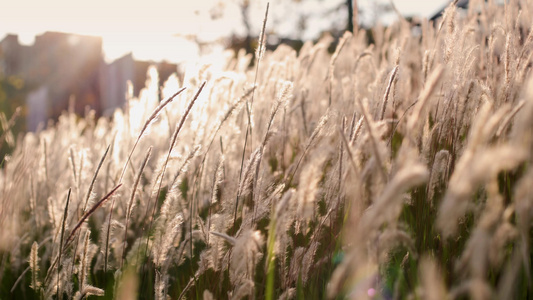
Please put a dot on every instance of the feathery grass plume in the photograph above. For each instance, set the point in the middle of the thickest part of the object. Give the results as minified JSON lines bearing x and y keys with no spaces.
{"x":524,"y":120}
{"x":341,"y":159}
{"x":89,"y":290}
{"x":390,"y":238}
{"x":472,"y":170}
{"x":507,"y":284}
{"x":388,"y":206}
{"x":260,"y":51}
{"x":133,"y":258}
{"x":290,"y":293}
{"x":127,"y":286}
{"x":282,"y":100}
{"x":172,"y":144}
{"x":163,"y":244}
{"x":73,"y":165}
{"x":91,"y":186}
{"x":85,"y":262}
{"x":478,"y":289}
{"x":229,"y":112}
{"x":249,"y":106}
{"x":503,"y":236}
{"x":262,"y":37}
{"x":150,"y":119}
{"x":115,"y":240}
{"x":159,"y":285}
{"x":60,"y":251}
{"x":316,"y":134}
{"x":507,"y":61}
{"x":184,"y":117}
{"x":376,"y":145}
{"x":509,"y":118}
{"x":245,"y":288}
{"x":34,"y":265}
{"x":217,"y":182}
{"x":310,"y":179}
{"x":432,"y":282}
{"x":245,"y":256}
{"x":90,"y":212}
{"x":51,"y":289}
{"x":80,"y":178}
{"x":422,"y":102}
{"x":474,"y":258}
{"x":131,"y":201}
{"x":183,"y":168}
{"x":284,"y":94}
{"x":294,"y":270}
{"x":308,"y":260}
{"x":469,"y":60}
{"x":174,"y":137}
{"x":271,"y":259}
{"x":494,"y":122}
{"x":207,"y":295}
{"x":523,"y":53}
{"x":342,"y":41}
{"x":33,"y":202}
{"x":387,"y":91}
{"x":449,"y":20}
{"x":23,"y":275}
{"x":438,"y":173}
{"x":52,"y":215}
{"x":89,"y":192}
{"x":353,"y":163}
{"x":356,"y":130}
{"x":246,"y":183}
{"x":426,"y":64}
{"x":504,"y":95}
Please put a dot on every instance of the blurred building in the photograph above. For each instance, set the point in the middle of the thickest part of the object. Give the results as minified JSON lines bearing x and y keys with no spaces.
{"x":60,"y":66}
{"x":114,"y":78}
{"x":56,"y":67}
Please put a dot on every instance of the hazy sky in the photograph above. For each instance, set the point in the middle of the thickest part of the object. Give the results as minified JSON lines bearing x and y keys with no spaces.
{"x":149,"y":28}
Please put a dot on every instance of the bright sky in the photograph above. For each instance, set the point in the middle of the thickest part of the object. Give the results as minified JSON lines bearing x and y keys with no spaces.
{"x":156,"y":29}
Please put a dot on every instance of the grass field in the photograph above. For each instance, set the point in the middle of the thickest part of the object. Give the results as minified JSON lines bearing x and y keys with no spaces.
{"x":397,"y":169}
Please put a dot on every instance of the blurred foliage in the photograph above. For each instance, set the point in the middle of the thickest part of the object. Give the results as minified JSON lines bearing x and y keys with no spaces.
{"x":13,"y":92}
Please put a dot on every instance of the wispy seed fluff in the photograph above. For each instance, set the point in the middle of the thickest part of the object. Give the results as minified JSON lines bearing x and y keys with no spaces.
{"x":309,"y":187}
{"x":432,"y":281}
{"x":245,"y":256}
{"x":162,"y":247}
{"x":247,"y":181}
{"x":388,"y":206}
{"x":218,"y":178}
{"x":471,"y":171}
{"x":284,"y":95}
{"x":438,"y":172}
{"x":34,"y":265}
{"x":262,"y":37}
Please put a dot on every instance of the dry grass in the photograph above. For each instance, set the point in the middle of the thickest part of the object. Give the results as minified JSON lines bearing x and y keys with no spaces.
{"x":396,"y":169}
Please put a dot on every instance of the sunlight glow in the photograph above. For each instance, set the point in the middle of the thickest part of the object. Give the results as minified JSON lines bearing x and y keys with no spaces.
{"x":168,"y":30}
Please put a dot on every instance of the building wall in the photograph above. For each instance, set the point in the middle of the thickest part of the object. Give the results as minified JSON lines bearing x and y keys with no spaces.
{"x":59,"y":66}
{"x":37,"y":103}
